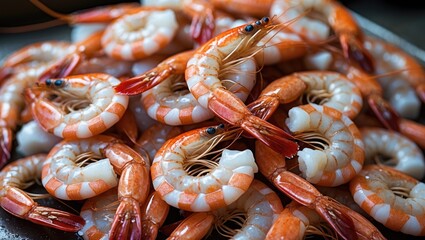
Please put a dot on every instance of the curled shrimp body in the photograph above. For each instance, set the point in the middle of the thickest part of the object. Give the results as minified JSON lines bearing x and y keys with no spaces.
{"x":79,"y":106}
{"x":299,"y":222}
{"x":391,"y":198}
{"x":138,"y":35}
{"x":64,"y":177}
{"x":399,"y":88}
{"x":330,"y":89}
{"x":172,"y":103}
{"x":203,"y":79}
{"x":389,"y":58}
{"x":38,"y":55}
{"x":339,"y":19}
{"x":253,"y":213}
{"x":393,"y":149}
{"x":21,"y":174}
{"x":342,"y":154}
{"x":177,"y":177}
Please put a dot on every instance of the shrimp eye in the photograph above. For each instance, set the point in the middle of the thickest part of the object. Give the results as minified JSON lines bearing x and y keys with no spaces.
{"x":210,"y":130}
{"x":221,"y":125}
{"x":266,"y":19}
{"x":258,"y":22}
{"x":58,"y":82}
{"x":249,"y":28}
{"x":48,"y":82}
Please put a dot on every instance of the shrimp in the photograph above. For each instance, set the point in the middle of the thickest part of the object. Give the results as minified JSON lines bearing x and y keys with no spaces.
{"x":330,"y":89}
{"x":346,"y":222}
{"x":391,"y":197}
{"x":203,"y":79}
{"x":393,"y":149}
{"x":342,"y":150}
{"x":339,"y":19}
{"x":299,"y":222}
{"x":188,"y":182}
{"x":254,"y":213}
{"x":390,"y":58}
{"x":63,"y":177}
{"x":98,"y":212}
{"x":21,"y":174}
{"x":79,"y":106}
{"x":373,"y":93}
{"x":139,"y":35}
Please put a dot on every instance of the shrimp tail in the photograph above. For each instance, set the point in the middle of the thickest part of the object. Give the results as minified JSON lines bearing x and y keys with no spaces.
{"x":263,"y":107}
{"x":202,"y":27}
{"x":144,"y":82}
{"x":5,"y":145}
{"x":336,"y":215}
{"x":127,"y":222}
{"x":233,"y":110}
{"x":348,"y":223}
{"x":56,"y":219}
{"x":353,"y":49}
{"x":61,"y":69}
{"x":17,"y":203}
{"x":384,"y":112}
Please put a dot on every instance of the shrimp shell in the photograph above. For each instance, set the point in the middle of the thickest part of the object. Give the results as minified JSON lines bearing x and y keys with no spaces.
{"x":139,"y":35}
{"x":105,"y":109}
{"x":391,"y":198}
{"x":343,"y":155}
{"x":221,"y":186}
{"x":404,"y":154}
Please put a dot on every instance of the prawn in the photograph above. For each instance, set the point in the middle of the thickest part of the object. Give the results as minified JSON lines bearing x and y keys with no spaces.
{"x":346,"y":222}
{"x":393,"y":149}
{"x":78,"y":106}
{"x":342,"y":150}
{"x":138,"y":35}
{"x":391,"y":197}
{"x":64,"y":177}
{"x":203,"y":79}
{"x":254,"y":213}
{"x":21,"y":174}
{"x":390,"y":58}
{"x":327,"y":88}
{"x":186,"y":180}
{"x":339,"y":19}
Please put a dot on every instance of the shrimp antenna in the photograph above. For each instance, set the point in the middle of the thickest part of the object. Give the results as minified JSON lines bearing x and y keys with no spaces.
{"x":32,"y":27}
{"x":50,"y":12}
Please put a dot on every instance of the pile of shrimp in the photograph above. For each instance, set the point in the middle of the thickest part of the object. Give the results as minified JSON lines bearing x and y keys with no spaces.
{"x":274,"y":119}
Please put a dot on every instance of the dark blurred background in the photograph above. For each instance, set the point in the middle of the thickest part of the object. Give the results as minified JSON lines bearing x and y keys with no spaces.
{"x":406,"y":18}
